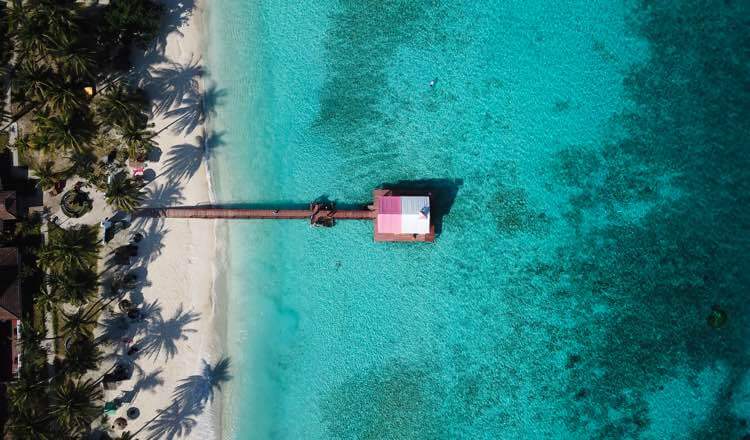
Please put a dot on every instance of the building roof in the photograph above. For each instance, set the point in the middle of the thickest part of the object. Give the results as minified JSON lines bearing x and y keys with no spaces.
{"x":403,"y":215}
{"x":10,"y":289}
{"x":8,"y":205}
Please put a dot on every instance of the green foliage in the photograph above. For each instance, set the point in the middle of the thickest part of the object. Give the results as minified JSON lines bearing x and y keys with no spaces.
{"x":75,"y":203}
{"x":34,"y":356}
{"x":78,"y":324}
{"x":64,"y":132}
{"x":58,"y":48}
{"x":124,"y":193}
{"x":26,"y":391}
{"x":44,"y":171}
{"x":131,"y":22}
{"x":31,"y":423}
{"x":38,"y":26}
{"x":5,"y":46}
{"x":139,"y":140}
{"x":62,"y":48}
{"x":70,"y":249}
{"x":121,"y":106}
{"x":74,"y":405}
{"x":82,"y":356}
{"x":75,"y":286}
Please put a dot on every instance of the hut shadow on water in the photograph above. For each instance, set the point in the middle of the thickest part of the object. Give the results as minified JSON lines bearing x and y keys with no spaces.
{"x":443,"y":193}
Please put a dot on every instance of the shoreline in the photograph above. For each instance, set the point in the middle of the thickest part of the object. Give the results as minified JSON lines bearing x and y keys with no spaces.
{"x":185,"y":308}
{"x":220,"y":311}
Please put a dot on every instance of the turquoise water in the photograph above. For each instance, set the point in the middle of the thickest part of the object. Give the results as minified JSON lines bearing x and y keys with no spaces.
{"x":600,"y":153}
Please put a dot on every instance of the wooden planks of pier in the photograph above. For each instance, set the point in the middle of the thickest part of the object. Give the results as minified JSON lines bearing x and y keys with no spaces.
{"x":318,"y":214}
{"x":217,"y":212}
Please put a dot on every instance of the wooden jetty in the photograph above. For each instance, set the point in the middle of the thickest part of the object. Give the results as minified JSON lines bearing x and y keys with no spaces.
{"x":396,"y":217}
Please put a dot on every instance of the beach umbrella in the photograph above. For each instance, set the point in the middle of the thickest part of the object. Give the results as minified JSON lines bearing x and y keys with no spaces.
{"x":121,"y":423}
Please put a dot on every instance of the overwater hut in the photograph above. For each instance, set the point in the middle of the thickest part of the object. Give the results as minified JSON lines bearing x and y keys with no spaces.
{"x":402,"y":217}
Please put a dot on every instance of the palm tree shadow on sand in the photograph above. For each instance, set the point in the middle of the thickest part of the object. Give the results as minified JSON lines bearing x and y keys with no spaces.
{"x":161,"y":335}
{"x":184,"y":160}
{"x":190,"y":399}
{"x":172,"y":84}
{"x":197,"y":390}
{"x":175,"y":421}
{"x":193,"y":110}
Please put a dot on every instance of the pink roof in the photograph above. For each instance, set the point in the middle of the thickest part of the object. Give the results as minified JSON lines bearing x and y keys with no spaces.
{"x":403,"y":215}
{"x":389,"y":205}
{"x":389,"y":223}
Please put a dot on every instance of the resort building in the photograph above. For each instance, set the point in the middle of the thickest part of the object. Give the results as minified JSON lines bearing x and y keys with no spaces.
{"x":8,"y":210}
{"x":10,"y":313}
{"x":18,"y":197}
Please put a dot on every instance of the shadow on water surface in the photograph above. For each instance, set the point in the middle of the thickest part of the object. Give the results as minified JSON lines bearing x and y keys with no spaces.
{"x":442,"y":192}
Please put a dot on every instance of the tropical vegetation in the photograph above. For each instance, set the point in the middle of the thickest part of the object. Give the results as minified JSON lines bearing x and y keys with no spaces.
{"x":124,"y":193}
{"x":72,"y":86}
{"x":79,"y":114}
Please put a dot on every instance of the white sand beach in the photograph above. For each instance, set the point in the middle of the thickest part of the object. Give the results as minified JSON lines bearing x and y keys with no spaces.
{"x":179,"y":332}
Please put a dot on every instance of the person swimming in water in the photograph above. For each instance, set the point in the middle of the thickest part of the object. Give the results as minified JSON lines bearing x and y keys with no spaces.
{"x":433,"y":82}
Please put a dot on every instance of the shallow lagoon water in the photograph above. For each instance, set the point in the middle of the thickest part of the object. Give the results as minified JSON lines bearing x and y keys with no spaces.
{"x":600,"y":155}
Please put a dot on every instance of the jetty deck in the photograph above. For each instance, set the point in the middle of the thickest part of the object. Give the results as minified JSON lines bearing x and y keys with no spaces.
{"x":218,"y":212}
{"x":388,"y":223}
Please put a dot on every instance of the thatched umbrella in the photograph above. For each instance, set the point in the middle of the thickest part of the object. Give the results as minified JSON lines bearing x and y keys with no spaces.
{"x":121,"y":423}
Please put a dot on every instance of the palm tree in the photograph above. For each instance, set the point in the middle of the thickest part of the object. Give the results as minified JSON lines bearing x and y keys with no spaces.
{"x":25,"y":392}
{"x":29,"y":32}
{"x":134,"y":22}
{"x":76,"y":248}
{"x":124,"y":193}
{"x":33,"y":353}
{"x":45,"y":172}
{"x":75,"y":404}
{"x":45,"y":299}
{"x":122,"y":107}
{"x":60,"y":97}
{"x":75,"y":286}
{"x":64,"y":132}
{"x":39,"y":86}
{"x":39,"y":142}
{"x":82,"y":356}
{"x":28,"y":87}
{"x":138,"y":138}
{"x":31,"y":424}
{"x":83,"y":162}
{"x":77,"y":325}
{"x":73,"y":61}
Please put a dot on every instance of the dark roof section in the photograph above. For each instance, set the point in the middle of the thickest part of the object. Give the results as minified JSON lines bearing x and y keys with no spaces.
{"x":8,"y":205}
{"x":10,"y":289}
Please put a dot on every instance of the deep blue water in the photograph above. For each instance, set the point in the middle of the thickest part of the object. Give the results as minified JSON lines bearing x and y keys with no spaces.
{"x":599,"y":151}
